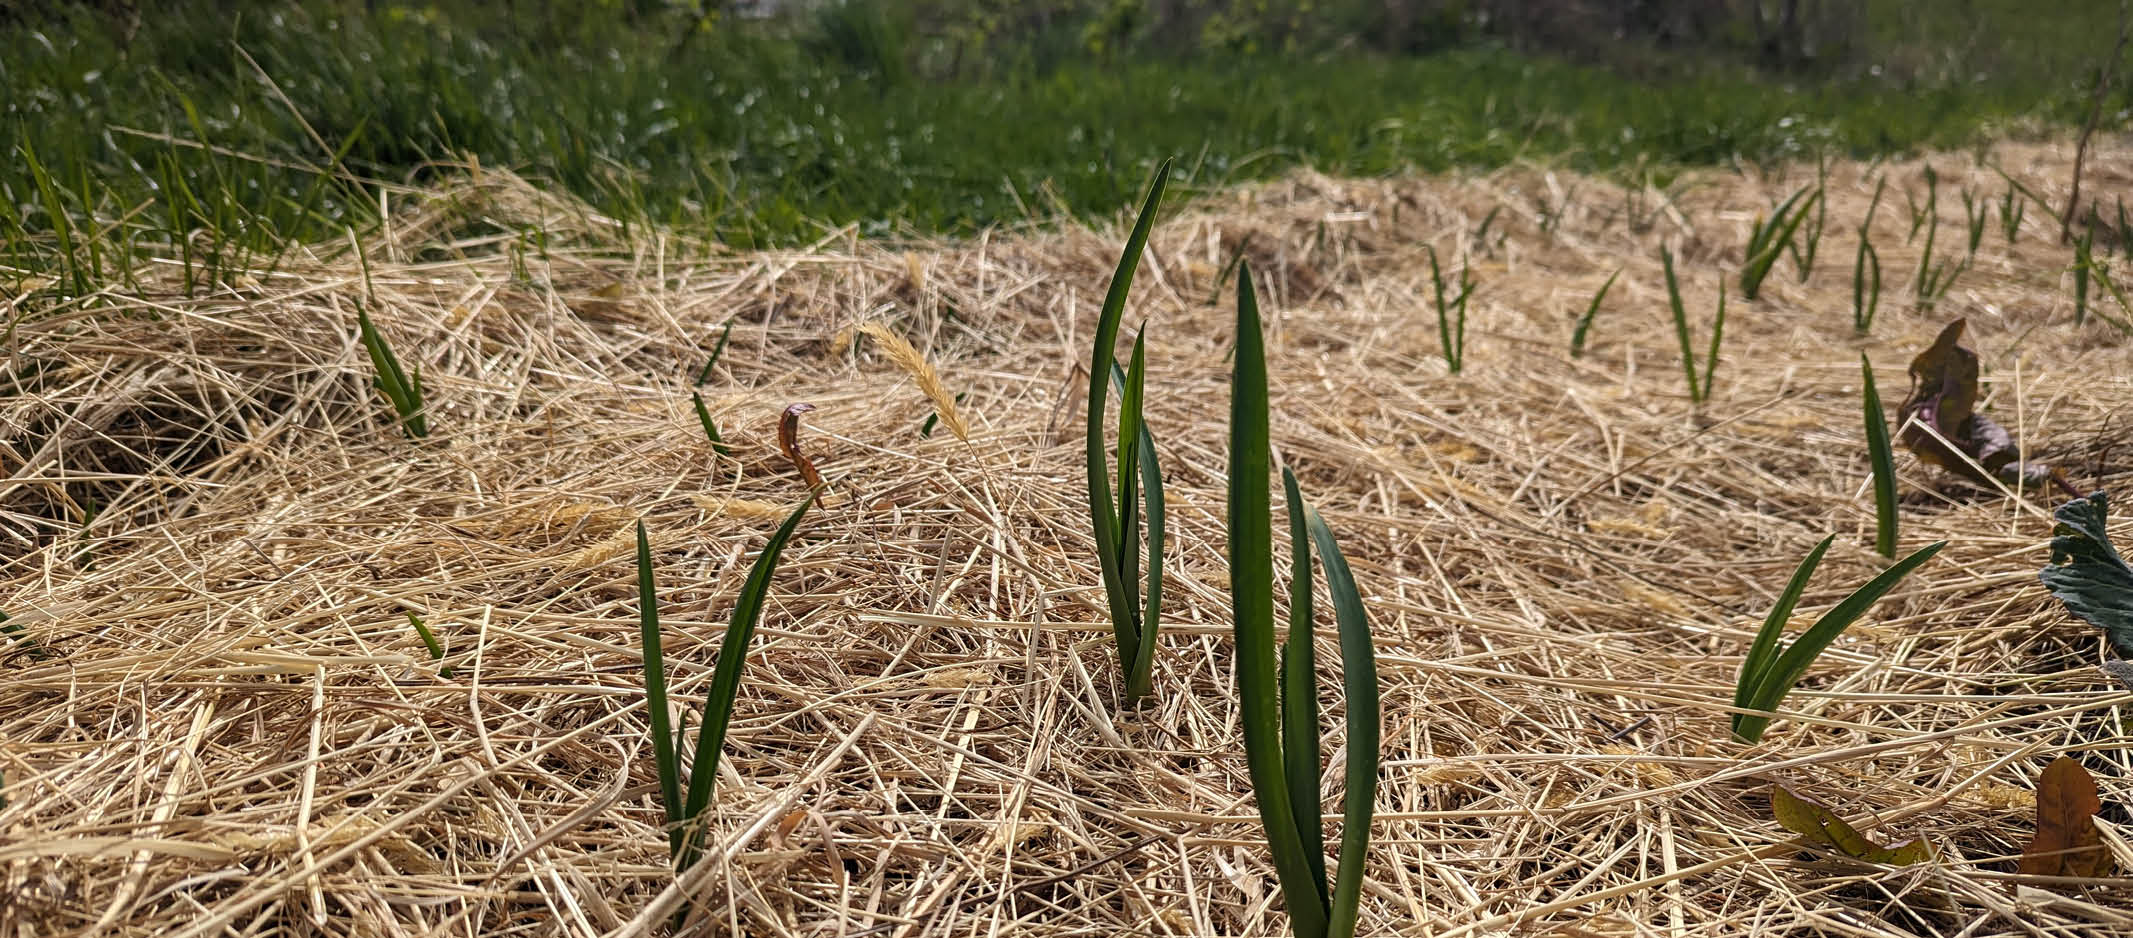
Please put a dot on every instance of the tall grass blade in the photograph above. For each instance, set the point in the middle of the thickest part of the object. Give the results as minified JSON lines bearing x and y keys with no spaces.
{"x":1251,"y":586}
{"x":1681,"y":326}
{"x":1866,"y":285}
{"x":1577,"y":337}
{"x":1299,"y":693}
{"x":655,"y":696}
{"x":1359,"y":679}
{"x":2084,"y":261}
{"x":1777,"y":678}
{"x":1884,"y":460}
{"x":726,"y":680}
{"x":703,"y":416}
{"x":1104,"y":517}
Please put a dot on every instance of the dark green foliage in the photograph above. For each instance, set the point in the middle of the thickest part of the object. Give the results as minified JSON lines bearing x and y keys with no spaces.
{"x":1115,"y":522}
{"x":2088,"y":574}
{"x":1883,"y":457}
{"x":684,"y":806}
{"x":1278,"y":698}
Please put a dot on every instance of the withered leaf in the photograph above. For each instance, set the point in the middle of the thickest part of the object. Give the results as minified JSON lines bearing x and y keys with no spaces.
{"x":2067,"y":842}
{"x":789,"y":443}
{"x":1818,"y":824}
{"x":1961,"y":439}
{"x":2087,"y":573}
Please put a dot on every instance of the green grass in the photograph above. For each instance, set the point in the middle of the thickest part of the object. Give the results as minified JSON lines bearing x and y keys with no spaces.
{"x":758,"y":138}
{"x":1584,"y":326}
{"x":1883,"y":457}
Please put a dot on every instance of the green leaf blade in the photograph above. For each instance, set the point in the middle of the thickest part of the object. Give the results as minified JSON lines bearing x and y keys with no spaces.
{"x":655,"y":695}
{"x":726,"y":677}
{"x":1299,"y":692}
{"x":1359,"y":681}
{"x":1251,"y":576}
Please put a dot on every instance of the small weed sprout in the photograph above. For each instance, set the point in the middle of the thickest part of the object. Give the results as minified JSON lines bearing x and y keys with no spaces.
{"x":1699,"y":391}
{"x":703,"y":416}
{"x":429,"y":641}
{"x":1577,"y":337}
{"x":1451,"y":313}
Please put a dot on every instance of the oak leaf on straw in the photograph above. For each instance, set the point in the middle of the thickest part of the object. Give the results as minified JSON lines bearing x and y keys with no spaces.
{"x":1941,"y":423}
{"x":1818,"y":824}
{"x":2067,"y":842}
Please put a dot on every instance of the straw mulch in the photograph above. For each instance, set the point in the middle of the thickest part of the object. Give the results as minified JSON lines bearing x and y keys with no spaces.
{"x":216,"y":720}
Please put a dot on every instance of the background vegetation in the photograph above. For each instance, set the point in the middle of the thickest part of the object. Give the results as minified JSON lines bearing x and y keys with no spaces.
{"x":753,"y":125}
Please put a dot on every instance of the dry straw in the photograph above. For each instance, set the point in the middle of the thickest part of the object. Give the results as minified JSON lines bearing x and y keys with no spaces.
{"x":226,"y":725}
{"x":914,"y":364}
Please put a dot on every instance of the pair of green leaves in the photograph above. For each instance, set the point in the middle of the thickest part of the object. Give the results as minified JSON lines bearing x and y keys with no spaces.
{"x":1769,"y":672}
{"x":684,"y":806}
{"x":400,"y":390}
{"x":1116,"y":522}
{"x":1279,"y":700}
{"x":1768,"y":241}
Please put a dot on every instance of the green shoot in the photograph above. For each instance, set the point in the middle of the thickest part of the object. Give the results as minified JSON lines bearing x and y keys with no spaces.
{"x":2011,"y":210}
{"x":403,"y":392}
{"x":1115,"y":523}
{"x":1768,"y":673}
{"x":1804,"y":248}
{"x":2084,"y":261}
{"x":1933,"y":280}
{"x":1927,"y":211}
{"x":1451,"y":314}
{"x":1769,"y":239}
{"x":1279,"y":700}
{"x":1866,"y":285}
{"x":716,"y":351}
{"x":1577,"y":337}
{"x":1699,"y":391}
{"x":1884,"y":460}
{"x":703,"y":416}
{"x":684,"y":806}
{"x":2111,"y":287}
{"x":429,"y":640}
{"x":1974,"y":217}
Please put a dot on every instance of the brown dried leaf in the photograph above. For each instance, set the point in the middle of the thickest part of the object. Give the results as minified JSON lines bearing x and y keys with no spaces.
{"x":2067,"y":842}
{"x":1942,"y":426}
{"x":789,"y":443}
{"x":1818,"y":824}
